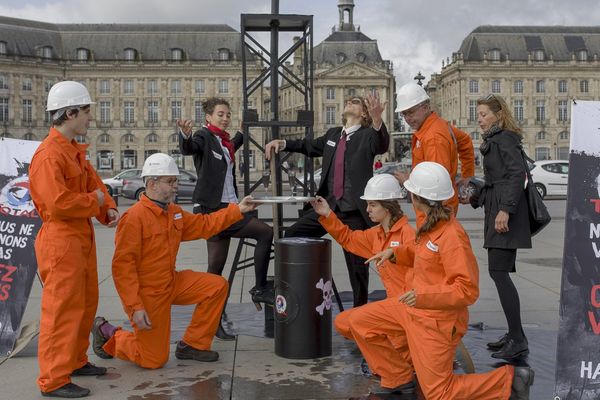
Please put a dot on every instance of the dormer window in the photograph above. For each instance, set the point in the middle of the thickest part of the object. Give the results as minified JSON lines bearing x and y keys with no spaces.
{"x":582,"y":55}
{"x":45,"y":52}
{"x":494,"y":55}
{"x":224,"y":54}
{"x":83,"y":55}
{"x":538,"y":55}
{"x":340,"y":57}
{"x":3,"y":50}
{"x":130,"y":54}
{"x":176,"y":54}
{"x":361,"y":57}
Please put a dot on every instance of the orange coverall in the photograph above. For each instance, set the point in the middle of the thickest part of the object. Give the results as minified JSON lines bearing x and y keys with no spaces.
{"x":367,"y":243}
{"x":446,"y":282}
{"x":432,"y":142}
{"x":143,"y":266}
{"x":62,"y":186}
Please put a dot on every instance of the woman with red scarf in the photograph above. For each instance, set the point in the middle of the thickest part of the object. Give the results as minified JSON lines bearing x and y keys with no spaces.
{"x":213,"y":151}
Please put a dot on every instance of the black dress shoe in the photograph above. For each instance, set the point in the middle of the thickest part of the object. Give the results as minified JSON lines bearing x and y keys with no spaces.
{"x":406,"y":388}
{"x":222,"y":333}
{"x":68,"y":391}
{"x":89,"y":369}
{"x":264,"y":294}
{"x":512,"y":350}
{"x":186,"y":352}
{"x":499,"y":344}
{"x":98,"y":339}
{"x":522,"y":381}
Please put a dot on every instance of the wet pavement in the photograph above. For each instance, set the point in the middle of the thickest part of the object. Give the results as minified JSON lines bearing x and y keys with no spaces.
{"x":248,"y":367}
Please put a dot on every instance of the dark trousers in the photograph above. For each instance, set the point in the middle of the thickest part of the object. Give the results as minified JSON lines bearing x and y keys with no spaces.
{"x":308,"y":226}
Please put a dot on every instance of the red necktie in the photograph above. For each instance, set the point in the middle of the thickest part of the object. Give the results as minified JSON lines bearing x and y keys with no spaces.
{"x":338,"y":172}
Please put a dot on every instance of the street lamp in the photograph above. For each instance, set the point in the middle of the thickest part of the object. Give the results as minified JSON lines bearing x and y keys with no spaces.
{"x":419,"y":77}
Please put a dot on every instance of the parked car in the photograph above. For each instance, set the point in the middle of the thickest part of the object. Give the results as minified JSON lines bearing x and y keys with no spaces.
{"x":550,"y":177}
{"x":116,"y":182}
{"x":133,"y":188}
{"x":317,"y":179}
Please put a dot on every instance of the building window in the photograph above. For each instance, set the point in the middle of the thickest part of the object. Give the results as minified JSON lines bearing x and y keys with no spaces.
{"x":475,"y":135}
{"x":518,"y":110}
{"x":27,"y":84}
{"x":152,"y":138}
{"x":129,"y":112}
{"x":128,"y":159}
{"x":341,"y":57}
{"x":582,"y":55}
{"x":176,"y":55}
{"x":330,"y":93}
{"x":223,"y":54}
{"x":175,"y":110}
{"x":351,"y":92}
{"x":148,"y":153}
{"x":47,"y":116}
{"x":3,"y":50}
{"x":130,"y":54}
{"x":82,"y":140}
{"x":542,"y":153}
{"x":494,"y":55}
{"x":27,"y":110}
{"x":104,"y":138}
{"x":3,"y":82}
{"x":518,"y":86}
{"x":562,"y":86}
{"x":104,"y":112}
{"x":29,"y":136}
{"x":83,"y":55}
{"x":330,"y":115}
{"x":152,"y":86}
{"x":496,"y":86}
{"x":3,"y":109}
{"x":46,"y":52}
{"x":361,"y":57}
{"x":540,"y":110}
{"x":174,"y":138}
{"x":128,"y":138}
{"x":472,"y":110}
{"x":541,"y":136}
{"x":105,"y":159}
{"x":538,"y":55}
{"x":104,"y":86}
{"x":200,"y":88}
{"x":223,"y":86}
{"x":176,"y":154}
{"x":584,"y":86}
{"x":473,"y":86}
{"x":128,"y":86}
{"x":540,"y":86}
{"x":48,"y":85}
{"x":252,"y":159}
{"x":199,"y":117}
{"x":153,"y":111}
{"x":176,"y":86}
{"x":562,"y":153}
{"x":564,"y":135}
{"x":562,"y":110}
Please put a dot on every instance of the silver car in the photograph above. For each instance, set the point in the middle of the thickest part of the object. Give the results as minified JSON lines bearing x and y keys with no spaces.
{"x":134,"y":187}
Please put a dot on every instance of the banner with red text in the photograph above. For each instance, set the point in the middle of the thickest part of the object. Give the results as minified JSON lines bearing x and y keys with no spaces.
{"x":19,"y":224}
{"x":578,"y":351}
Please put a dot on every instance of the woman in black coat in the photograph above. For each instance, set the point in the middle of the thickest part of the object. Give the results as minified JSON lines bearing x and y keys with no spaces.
{"x":506,"y":214}
{"x":214,"y":158}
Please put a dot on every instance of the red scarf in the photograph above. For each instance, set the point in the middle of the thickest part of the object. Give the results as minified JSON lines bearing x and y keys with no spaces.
{"x":225,"y":139}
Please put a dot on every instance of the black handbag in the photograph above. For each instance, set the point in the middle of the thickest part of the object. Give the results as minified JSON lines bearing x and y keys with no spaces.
{"x":539,"y":216}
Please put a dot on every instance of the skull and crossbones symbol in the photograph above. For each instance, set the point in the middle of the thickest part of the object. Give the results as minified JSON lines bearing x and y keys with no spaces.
{"x":327,"y":289}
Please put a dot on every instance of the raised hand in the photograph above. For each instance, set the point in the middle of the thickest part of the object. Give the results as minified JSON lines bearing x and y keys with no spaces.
{"x":375,"y":107}
{"x":186,"y":126}
{"x":247,"y":204}
{"x":320,"y":206}
{"x":380,"y":257}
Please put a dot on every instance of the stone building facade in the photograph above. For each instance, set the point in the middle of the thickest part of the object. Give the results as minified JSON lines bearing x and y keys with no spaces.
{"x":539,"y":70}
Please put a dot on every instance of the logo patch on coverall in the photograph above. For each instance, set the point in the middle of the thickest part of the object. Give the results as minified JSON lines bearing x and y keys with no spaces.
{"x":394,"y":244}
{"x":177,"y":216}
{"x":431,"y":246}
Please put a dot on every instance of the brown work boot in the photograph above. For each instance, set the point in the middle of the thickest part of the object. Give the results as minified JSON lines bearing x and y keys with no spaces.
{"x":186,"y":352}
{"x":522,"y":381}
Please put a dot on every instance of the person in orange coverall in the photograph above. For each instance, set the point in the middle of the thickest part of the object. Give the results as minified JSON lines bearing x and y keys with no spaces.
{"x":67,"y":192}
{"x":146,"y":246}
{"x":432,"y":316}
{"x":381,"y":193}
{"x":434,"y":139}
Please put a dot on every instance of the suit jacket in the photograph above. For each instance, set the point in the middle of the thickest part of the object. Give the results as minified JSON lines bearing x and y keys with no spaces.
{"x":210,"y":163}
{"x":361,"y":150}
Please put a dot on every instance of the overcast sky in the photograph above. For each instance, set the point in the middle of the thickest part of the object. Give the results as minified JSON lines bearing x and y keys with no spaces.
{"x":414,"y":35}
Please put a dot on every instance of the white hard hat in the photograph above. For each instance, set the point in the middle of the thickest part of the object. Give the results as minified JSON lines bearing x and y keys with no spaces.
{"x":160,"y":164}
{"x":68,"y":94}
{"x":382,"y":187}
{"x":409,"y":96}
{"x":431,"y":181}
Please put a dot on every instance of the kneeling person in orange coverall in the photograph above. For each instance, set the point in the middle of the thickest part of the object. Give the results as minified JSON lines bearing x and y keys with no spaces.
{"x":432,"y":316}
{"x":147,"y":242}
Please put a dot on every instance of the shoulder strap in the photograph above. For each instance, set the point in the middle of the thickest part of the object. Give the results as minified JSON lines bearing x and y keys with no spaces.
{"x":452,"y":134}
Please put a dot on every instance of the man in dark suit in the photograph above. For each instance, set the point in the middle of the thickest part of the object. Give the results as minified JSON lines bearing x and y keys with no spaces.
{"x":348,"y":152}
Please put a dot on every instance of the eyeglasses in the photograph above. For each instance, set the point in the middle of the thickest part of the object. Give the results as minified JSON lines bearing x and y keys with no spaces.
{"x":412,"y":110}
{"x":169,"y":181}
{"x":354,"y":101}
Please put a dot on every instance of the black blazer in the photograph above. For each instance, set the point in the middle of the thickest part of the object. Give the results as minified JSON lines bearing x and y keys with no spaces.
{"x":361,"y":150}
{"x":504,"y":171}
{"x":205,"y":149}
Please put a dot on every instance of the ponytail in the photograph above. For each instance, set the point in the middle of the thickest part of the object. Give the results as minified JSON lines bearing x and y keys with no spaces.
{"x":437,"y":212}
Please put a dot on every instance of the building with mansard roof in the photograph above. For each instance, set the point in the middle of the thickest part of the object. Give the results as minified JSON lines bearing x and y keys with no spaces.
{"x":539,"y":70}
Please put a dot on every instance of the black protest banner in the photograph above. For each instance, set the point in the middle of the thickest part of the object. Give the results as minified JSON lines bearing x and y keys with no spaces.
{"x":19,"y":224}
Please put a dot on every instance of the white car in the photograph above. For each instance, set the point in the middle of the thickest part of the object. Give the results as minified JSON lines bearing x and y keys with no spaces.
{"x":550,"y":177}
{"x":116,"y":182}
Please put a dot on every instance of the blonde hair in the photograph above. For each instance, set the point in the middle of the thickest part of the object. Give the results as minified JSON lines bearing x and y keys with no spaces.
{"x":500,"y":108}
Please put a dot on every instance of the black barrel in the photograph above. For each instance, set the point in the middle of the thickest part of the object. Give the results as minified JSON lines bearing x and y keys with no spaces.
{"x":303,"y":298}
